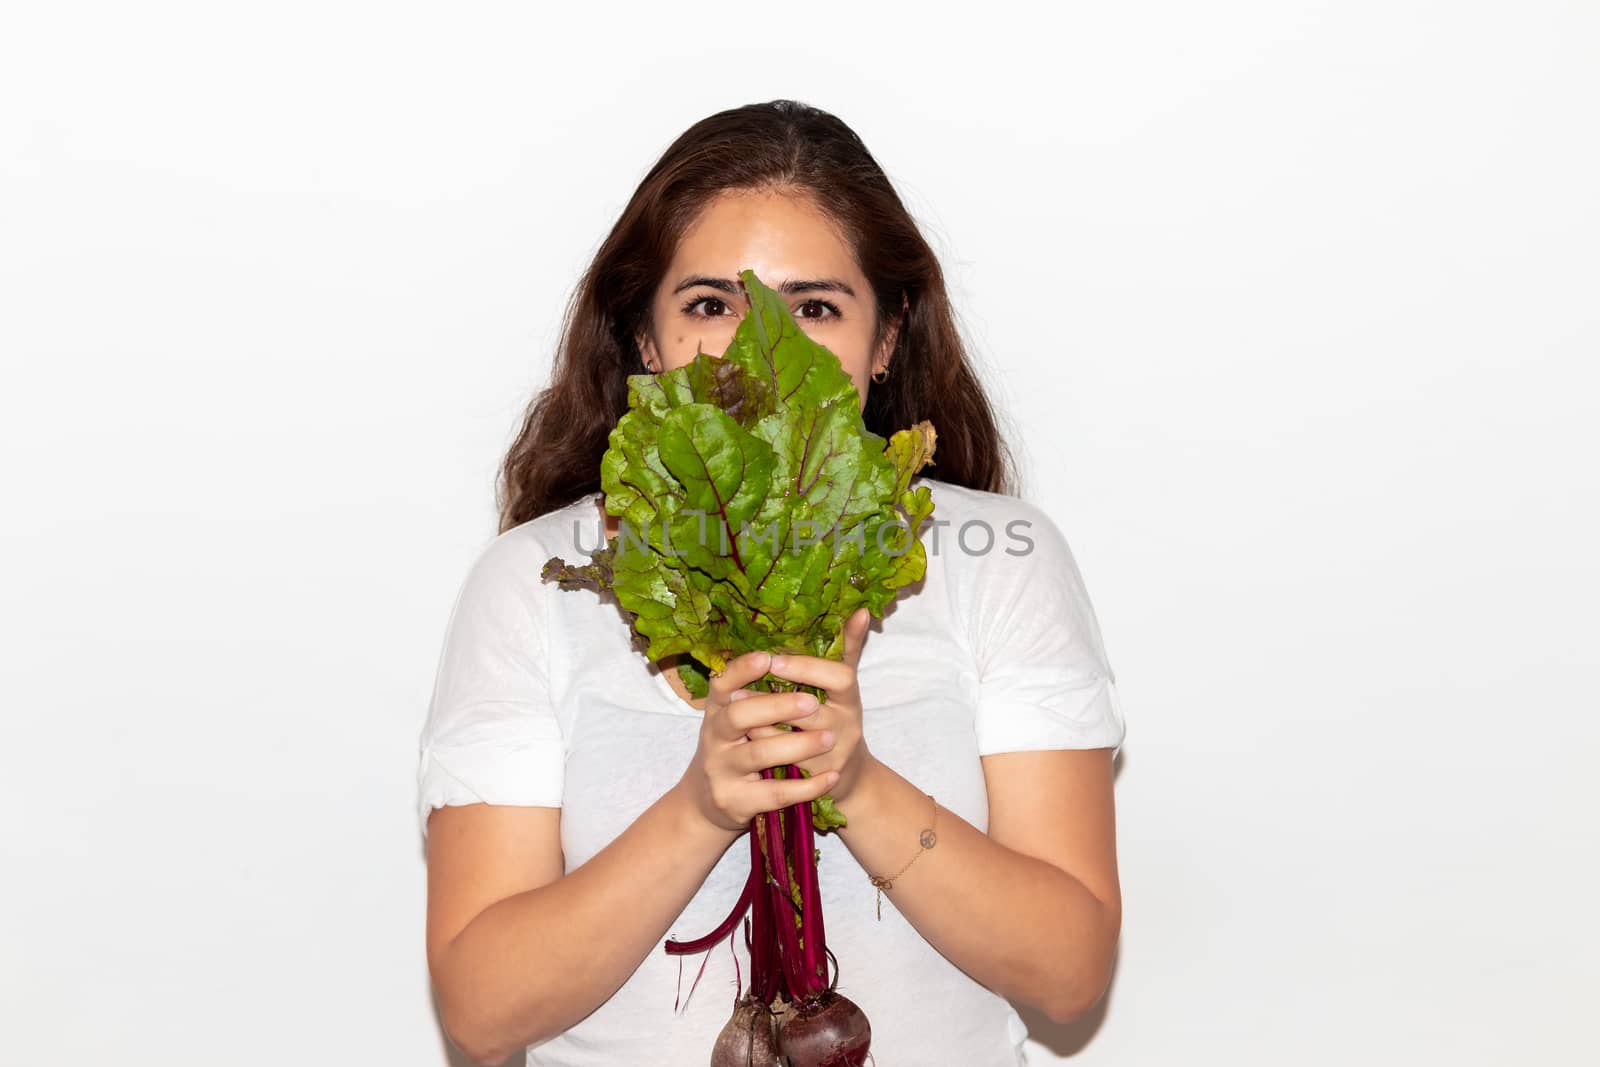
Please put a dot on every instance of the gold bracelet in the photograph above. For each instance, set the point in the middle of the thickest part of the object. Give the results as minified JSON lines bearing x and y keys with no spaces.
{"x":927,"y":840}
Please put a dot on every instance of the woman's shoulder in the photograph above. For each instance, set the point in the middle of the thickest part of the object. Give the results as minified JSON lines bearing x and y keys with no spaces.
{"x":978,"y":504}
{"x":518,"y":555}
{"x":990,"y":532}
{"x":573,"y":528}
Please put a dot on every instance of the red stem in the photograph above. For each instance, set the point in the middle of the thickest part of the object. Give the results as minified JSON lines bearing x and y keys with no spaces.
{"x":781,"y":957}
{"x":783,"y":901}
{"x":805,"y":866}
{"x":682,"y":948}
{"x":761,"y":936}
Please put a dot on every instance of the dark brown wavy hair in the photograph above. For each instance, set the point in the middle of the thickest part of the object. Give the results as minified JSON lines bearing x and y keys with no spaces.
{"x":787,"y":146}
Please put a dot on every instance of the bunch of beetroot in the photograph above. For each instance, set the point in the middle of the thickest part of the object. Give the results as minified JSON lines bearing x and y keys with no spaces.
{"x":792,"y":1014}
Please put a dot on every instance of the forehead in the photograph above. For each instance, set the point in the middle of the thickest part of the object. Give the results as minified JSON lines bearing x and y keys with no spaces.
{"x":777,"y":235}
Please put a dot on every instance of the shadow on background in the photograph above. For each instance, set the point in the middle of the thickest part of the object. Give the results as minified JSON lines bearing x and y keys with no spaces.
{"x":1068,"y":1039}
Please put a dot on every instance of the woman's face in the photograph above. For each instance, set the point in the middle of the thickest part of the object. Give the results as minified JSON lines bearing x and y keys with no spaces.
{"x":794,"y":249}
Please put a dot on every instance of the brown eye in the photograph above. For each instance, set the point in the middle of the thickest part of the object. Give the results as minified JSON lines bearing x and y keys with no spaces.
{"x":709,"y":301}
{"x":820,"y":306}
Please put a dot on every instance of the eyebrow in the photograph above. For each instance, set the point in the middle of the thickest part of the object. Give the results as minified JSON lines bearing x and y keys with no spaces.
{"x":731,"y":287}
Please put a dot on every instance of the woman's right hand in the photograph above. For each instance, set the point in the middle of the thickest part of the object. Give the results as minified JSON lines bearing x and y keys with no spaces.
{"x":724,"y":779}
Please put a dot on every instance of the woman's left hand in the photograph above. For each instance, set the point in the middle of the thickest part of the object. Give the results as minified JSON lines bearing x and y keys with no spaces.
{"x":840,"y":714}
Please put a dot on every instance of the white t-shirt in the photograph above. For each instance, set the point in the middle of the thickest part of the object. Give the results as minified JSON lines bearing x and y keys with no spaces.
{"x":541,"y":699}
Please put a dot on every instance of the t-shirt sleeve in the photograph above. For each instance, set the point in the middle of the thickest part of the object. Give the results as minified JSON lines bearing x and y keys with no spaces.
{"x":1044,"y":680}
{"x":492,"y":734}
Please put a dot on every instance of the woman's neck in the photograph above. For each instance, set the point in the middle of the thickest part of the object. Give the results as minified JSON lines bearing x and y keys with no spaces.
{"x":610,"y":520}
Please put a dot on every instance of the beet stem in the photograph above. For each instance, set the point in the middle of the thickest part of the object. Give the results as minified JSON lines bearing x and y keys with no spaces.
{"x":761,"y":938}
{"x":805,"y":866}
{"x":726,"y":927}
{"x":783,"y":901}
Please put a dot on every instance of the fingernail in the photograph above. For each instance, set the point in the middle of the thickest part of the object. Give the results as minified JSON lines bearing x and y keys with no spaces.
{"x":806,"y":701}
{"x":827,"y":738}
{"x":779,"y":661}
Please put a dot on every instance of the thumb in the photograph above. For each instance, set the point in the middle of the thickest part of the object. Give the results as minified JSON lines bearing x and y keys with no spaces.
{"x":855,"y":634}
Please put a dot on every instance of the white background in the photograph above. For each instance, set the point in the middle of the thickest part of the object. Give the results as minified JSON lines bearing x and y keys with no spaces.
{"x":1293,"y":306}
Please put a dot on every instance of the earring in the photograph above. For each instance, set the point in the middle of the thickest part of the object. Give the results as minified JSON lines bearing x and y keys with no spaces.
{"x":884,"y":370}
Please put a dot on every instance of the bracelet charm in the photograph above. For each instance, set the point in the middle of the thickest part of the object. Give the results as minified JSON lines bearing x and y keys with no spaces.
{"x":927,"y":839}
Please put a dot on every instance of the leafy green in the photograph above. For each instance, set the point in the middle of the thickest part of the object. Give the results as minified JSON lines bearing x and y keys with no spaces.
{"x":756,"y":510}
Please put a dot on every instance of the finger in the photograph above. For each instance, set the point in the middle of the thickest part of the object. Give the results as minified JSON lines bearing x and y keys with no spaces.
{"x":817,"y":718}
{"x":774,"y":730}
{"x":855,"y":635}
{"x":775,"y":794}
{"x":765,"y":709}
{"x":739,"y":672}
{"x":762,"y":731}
{"x":795,"y":746}
{"x":825,"y":674}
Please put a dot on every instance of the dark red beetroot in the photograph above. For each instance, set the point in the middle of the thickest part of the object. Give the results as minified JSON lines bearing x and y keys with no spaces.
{"x":827,"y":1030}
{"x":746,"y":1040}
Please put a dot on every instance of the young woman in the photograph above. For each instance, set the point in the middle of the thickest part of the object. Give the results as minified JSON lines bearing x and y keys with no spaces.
{"x":579,"y":806}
